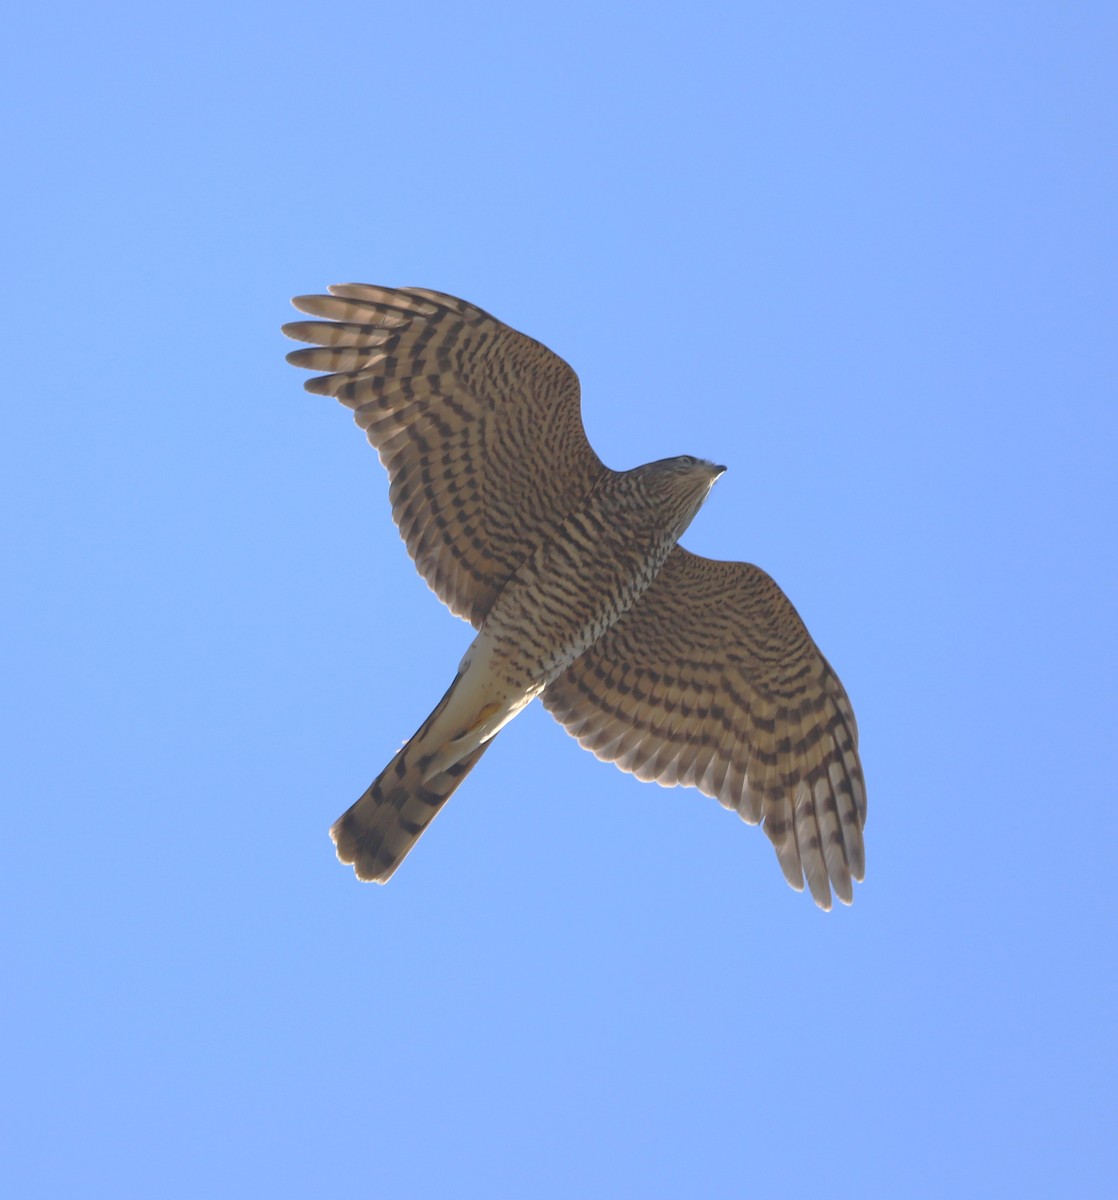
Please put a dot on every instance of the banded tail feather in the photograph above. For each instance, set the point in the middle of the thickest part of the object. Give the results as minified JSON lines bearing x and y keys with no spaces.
{"x":377,"y":832}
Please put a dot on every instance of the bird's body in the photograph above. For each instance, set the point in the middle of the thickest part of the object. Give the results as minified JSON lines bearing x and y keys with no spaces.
{"x":544,"y":618}
{"x":572,"y":575}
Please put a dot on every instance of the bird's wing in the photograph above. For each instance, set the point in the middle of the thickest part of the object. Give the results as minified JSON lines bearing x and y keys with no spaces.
{"x":711,"y":680}
{"x":479,"y":427}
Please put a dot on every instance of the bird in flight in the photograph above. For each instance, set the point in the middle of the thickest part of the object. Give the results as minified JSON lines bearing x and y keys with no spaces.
{"x":679,"y":669}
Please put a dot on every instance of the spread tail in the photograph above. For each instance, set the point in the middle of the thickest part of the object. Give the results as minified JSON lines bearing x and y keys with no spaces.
{"x":377,"y":832}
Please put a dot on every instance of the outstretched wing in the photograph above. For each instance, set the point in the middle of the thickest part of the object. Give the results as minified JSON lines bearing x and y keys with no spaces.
{"x":479,"y":427}
{"x":711,"y":680}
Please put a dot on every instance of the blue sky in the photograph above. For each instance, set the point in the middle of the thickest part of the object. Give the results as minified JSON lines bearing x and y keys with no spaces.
{"x":865,"y":254}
